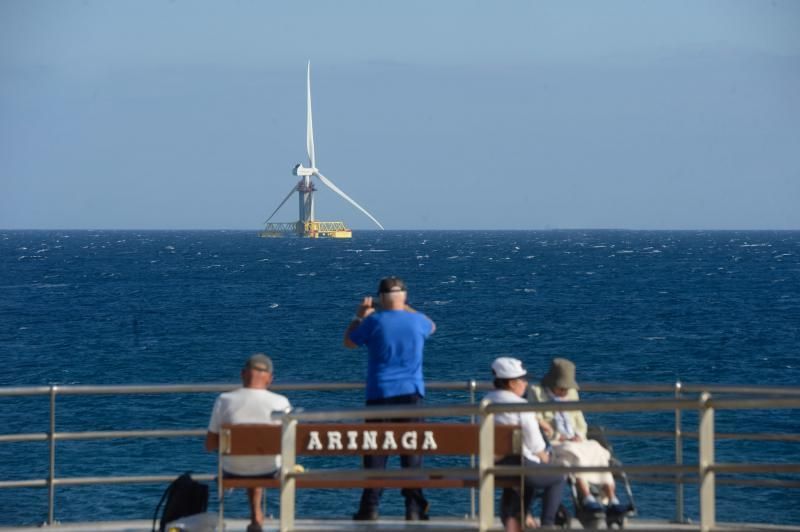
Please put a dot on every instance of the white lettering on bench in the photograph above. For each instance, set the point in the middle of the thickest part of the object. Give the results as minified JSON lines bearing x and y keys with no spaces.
{"x":370,"y":440}
{"x":313,"y":441}
{"x":388,"y":441}
{"x":428,"y":443}
{"x":409,"y":440}
{"x":334,"y":441}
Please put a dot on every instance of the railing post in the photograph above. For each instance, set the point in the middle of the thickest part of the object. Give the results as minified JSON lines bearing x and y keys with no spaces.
{"x":288,"y":460}
{"x":486,"y":461}
{"x":706,"y":460}
{"x":473,"y":385}
{"x":679,"y":509}
{"x":223,"y":448}
{"x":51,"y":479}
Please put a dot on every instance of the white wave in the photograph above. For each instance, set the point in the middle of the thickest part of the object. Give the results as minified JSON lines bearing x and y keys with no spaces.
{"x":378,"y":250}
{"x":274,"y":305}
{"x":652,"y":338}
{"x":437,"y":302}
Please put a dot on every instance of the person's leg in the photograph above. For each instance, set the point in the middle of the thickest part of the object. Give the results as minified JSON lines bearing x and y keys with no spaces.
{"x":552,"y":486}
{"x":553,"y":489}
{"x":416,"y":504}
{"x":510,"y":510}
{"x":371,"y":497}
{"x":254,"y":500}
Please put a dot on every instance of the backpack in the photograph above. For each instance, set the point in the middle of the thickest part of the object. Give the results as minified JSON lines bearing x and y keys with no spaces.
{"x":183,"y":497}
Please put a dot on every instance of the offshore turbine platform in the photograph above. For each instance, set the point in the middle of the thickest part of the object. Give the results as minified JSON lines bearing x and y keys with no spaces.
{"x":307,"y":225}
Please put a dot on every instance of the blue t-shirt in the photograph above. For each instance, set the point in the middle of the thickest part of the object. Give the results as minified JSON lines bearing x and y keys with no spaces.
{"x":394,"y":339}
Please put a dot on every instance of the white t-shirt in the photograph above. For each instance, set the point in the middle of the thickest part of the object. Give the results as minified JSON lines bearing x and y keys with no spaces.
{"x":532,"y":439}
{"x":247,"y":405}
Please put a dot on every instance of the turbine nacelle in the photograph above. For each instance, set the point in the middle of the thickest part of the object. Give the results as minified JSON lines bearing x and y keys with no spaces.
{"x":301,"y":171}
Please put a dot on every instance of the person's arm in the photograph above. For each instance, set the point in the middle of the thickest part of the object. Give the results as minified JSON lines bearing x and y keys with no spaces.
{"x":532,"y":436}
{"x":212,"y":441}
{"x":364,"y":310}
{"x":212,"y":433}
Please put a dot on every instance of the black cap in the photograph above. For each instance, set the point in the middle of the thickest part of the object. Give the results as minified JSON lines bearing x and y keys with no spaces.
{"x":391,"y":284}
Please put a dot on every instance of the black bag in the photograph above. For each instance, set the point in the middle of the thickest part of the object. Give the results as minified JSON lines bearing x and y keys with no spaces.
{"x":183,"y":497}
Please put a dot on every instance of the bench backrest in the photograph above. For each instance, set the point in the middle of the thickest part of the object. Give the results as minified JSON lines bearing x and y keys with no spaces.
{"x":327,"y":439}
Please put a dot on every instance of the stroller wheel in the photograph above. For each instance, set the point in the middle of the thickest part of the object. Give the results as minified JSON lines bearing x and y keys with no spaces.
{"x":591,"y":523}
{"x":618,"y":520}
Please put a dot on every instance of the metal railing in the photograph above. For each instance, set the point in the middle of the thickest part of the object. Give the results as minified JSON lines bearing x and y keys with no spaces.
{"x":751,"y":397}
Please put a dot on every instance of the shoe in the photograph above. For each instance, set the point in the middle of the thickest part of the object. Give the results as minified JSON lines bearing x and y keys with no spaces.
{"x":366,"y":515}
{"x":617,"y":508}
{"x":254,"y":527}
{"x":593,"y":507}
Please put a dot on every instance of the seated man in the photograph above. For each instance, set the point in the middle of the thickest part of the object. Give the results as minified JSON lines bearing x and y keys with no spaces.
{"x":567,"y":432}
{"x":254,"y":404}
{"x":510,"y":385}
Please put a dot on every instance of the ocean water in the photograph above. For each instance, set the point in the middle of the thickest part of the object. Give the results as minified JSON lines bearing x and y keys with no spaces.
{"x":141,"y":307}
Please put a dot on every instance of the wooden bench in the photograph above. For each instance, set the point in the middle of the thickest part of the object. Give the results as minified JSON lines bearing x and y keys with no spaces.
{"x":359,"y":439}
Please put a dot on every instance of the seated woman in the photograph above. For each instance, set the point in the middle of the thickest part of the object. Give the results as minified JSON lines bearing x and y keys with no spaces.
{"x":510,"y":385}
{"x":567,"y":433}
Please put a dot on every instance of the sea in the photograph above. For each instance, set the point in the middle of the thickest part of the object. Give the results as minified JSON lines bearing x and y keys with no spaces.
{"x":99,"y":307}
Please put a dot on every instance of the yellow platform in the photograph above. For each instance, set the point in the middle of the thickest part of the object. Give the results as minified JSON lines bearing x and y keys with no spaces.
{"x":312,"y":229}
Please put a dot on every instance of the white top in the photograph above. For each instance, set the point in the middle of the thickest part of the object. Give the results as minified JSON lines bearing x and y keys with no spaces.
{"x":253,"y":406}
{"x":532,"y":439}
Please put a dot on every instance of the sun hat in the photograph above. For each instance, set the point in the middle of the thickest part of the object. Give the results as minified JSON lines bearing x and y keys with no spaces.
{"x":391,"y":284}
{"x":508,"y":368}
{"x":259,"y":361}
{"x":560,"y":375}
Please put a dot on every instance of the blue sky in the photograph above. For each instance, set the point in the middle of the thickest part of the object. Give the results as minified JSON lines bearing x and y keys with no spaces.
{"x":432,"y":115}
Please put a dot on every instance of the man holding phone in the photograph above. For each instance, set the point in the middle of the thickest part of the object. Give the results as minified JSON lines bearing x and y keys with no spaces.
{"x":395,"y":337}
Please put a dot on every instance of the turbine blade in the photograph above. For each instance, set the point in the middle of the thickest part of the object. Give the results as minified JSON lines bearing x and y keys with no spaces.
{"x":309,"y":123}
{"x":333,"y":187}
{"x":289,"y":195}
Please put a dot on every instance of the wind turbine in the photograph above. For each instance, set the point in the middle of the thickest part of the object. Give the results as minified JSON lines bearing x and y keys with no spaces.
{"x":305,"y":186}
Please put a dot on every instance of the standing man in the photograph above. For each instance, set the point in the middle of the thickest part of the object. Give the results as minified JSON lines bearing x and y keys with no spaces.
{"x":395,"y":336}
{"x":252,"y":403}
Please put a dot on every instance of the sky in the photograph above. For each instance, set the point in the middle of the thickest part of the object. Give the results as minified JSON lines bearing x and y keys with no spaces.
{"x":144,"y":114}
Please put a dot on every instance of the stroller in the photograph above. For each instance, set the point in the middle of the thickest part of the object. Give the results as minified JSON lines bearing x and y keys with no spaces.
{"x":616,"y":516}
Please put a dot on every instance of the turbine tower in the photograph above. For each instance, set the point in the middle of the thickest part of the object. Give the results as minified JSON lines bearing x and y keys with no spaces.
{"x":307,"y":225}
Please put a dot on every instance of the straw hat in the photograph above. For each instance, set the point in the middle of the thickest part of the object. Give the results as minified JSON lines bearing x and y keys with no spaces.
{"x":560,"y":375}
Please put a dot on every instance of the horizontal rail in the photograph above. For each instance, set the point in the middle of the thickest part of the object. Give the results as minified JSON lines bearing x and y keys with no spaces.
{"x":436,"y":385}
{"x":751,"y":436}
